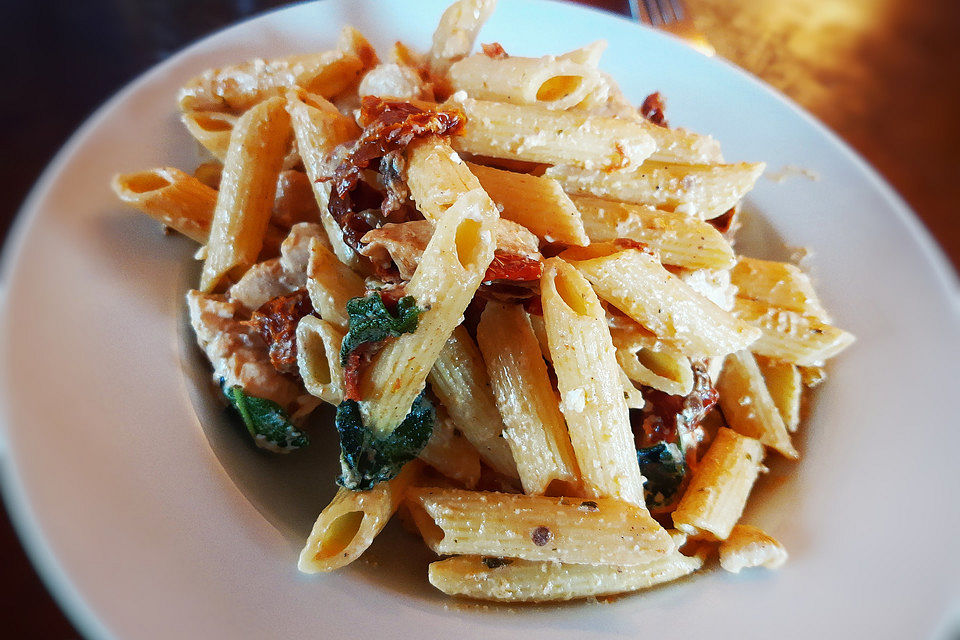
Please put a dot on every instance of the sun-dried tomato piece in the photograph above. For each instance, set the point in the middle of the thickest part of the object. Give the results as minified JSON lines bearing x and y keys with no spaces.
{"x":672,"y":413}
{"x":513,"y":267}
{"x":357,"y":363}
{"x":390,"y":126}
{"x":654,"y":109}
{"x":277,"y":320}
{"x":627,"y":243}
{"x":494,"y":50}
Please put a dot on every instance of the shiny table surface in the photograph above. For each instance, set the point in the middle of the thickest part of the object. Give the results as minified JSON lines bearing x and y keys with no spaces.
{"x":883,"y":74}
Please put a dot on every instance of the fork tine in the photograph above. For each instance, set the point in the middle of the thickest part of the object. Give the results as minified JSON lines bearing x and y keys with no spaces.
{"x":653,"y":12}
{"x":677,"y":7}
{"x":666,"y":12}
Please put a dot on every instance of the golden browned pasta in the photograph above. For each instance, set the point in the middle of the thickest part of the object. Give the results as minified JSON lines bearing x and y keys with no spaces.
{"x":459,"y":380}
{"x":715,"y":497}
{"x":515,"y":580}
{"x":247,"y":190}
{"x":522,"y":385}
{"x":211,"y":129}
{"x":790,"y":336}
{"x":637,"y":284}
{"x":539,"y":204}
{"x":680,"y":240}
{"x":591,"y":387}
{"x":318,"y":359}
{"x":702,"y":190}
{"x":351,"y":521}
{"x":749,"y":546}
{"x":530,"y":408}
{"x":450,"y":453}
{"x":239,"y":87}
{"x":436,"y":176}
{"x":318,"y":127}
{"x":600,"y":531}
{"x":169,"y":195}
{"x":747,"y":405}
{"x":778,"y":284}
{"x":456,"y":32}
{"x":551,"y":82}
{"x":537,"y":134}
{"x":660,"y":368}
{"x":331,"y":284}
{"x":784,"y":383}
{"x":450,"y":271}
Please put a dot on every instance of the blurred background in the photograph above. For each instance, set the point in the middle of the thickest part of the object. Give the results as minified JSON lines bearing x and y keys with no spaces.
{"x":883,"y":74}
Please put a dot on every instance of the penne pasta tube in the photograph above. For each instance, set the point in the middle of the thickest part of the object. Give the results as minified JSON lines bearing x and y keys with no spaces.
{"x":238,"y":87}
{"x":535,"y":428}
{"x":353,"y":42}
{"x":590,"y":384}
{"x":680,"y":241}
{"x":456,"y":32}
{"x":747,"y":406}
{"x":515,"y":580}
{"x":789,"y":336}
{"x":450,"y":453}
{"x":348,"y":525}
{"x":537,"y":134}
{"x":318,"y":127}
{"x":459,"y":380}
{"x":601,"y":531}
{"x":703,"y":190}
{"x":450,"y":271}
{"x":436,"y":176}
{"x":588,"y":54}
{"x":784,"y":383}
{"x":318,"y":359}
{"x":331,"y":284}
{"x":663,"y":369}
{"x":672,"y":145}
{"x":247,"y":191}
{"x":551,"y":82}
{"x":718,"y":491}
{"x":778,"y":284}
{"x":631,"y":394}
{"x":177,"y":200}
{"x":681,"y":146}
{"x":211,"y":129}
{"x":539,"y":204}
{"x":209,"y":173}
{"x":749,"y":546}
{"x":637,"y":284}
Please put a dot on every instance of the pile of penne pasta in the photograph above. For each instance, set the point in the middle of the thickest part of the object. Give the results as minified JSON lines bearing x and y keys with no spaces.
{"x":581,"y":394}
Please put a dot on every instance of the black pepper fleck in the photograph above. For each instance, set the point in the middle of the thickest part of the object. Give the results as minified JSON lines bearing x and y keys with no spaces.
{"x":541,"y":536}
{"x":588,"y":505}
{"x":496,"y":563}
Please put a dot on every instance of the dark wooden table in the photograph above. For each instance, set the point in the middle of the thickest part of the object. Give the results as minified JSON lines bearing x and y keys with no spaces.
{"x":884,"y":74}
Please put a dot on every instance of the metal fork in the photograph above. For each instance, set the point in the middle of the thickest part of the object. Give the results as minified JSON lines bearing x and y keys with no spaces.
{"x":671,"y":16}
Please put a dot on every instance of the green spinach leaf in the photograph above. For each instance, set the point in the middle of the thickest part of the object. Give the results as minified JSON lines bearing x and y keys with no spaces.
{"x":266,"y":421}
{"x":366,"y":460}
{"x":664,"y":467}
{"x":371,"y":321}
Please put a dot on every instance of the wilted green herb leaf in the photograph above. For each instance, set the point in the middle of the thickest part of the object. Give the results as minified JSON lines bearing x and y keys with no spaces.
{"x":663,"y":466}
{"x":371,"y":321}
{"x":266,"y":421}
{"x":366,"y":460}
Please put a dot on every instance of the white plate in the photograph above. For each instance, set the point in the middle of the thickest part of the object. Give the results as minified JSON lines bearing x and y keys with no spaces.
{"x":148,"y":526}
